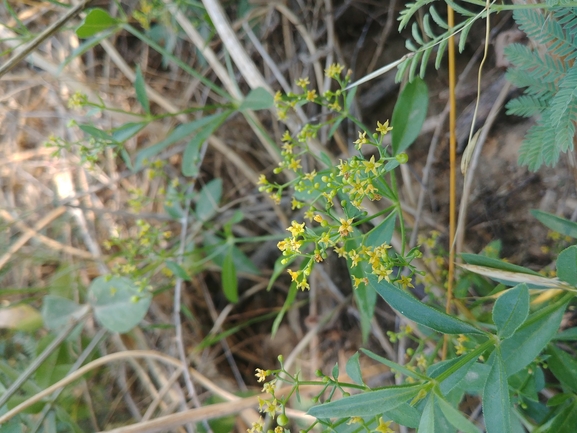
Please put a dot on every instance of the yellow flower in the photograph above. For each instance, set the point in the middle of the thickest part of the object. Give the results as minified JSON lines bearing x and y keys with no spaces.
{"x":310,"y":176}
{"x":294,"y":275}
{"x":345,"y":228}
{"x":362,"y":139}
{"x":282,"y":245}
{"x":334,"y":70}
{"x":309,"y":214}
{"x":355,"y":420}
{"x":341,"y":251}
{"x":286,"y":137}
{"x":371,"y":165}
{"x":295,"y":204}
{"x":261,"y":375}
{"x":257,"y":426}
{"x":406,"y":282}
{"x":295,"y":164}
{"x":384,"y":128}
{"x":262,"y":180}
{"x":384,"y":427}
{"x":278,"y":429}
{"x":358,"y":281}
{"x":311,"y":95}
{"x":303,"y":82}
{"x":277,"y":96}
{"x":303,"y":284}
{"x":355,"y":257}
{"x":296,"y":229}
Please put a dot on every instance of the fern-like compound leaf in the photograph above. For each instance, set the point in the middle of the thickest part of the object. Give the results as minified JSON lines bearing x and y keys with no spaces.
{"x":527,"y":105}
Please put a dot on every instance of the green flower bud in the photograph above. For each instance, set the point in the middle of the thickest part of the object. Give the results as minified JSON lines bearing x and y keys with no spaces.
{"x":402,"y":158}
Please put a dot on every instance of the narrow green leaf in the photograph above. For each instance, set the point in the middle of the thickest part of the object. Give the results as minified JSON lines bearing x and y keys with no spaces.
{"x":177,"y":270}
{"x":566,"y":421}
{"x":366,"y":404}
{"x":179,"y":133}
{"x":257,"y":99}
{"x":290,"y":298}
{"x":208,"y":200}
{"x":335,"y":371}
{"x":556,"y":223}
{"x":415,"y":310}
{"x":456,"y":377}
{"x":353,"y":369}
{"x":528,"y":341}
{"x":404,"y":414}
{"x":427,"y":424}
{"x":140,"y":88}
{"x":567,"y":265}
{"x":191,"y":156}
{"x":479,"y":260}
{"x":119,"y":305}
{"x":409,"y":115}
{"x":95,"y":132}
{"x":128,"y":130}
{"x":511,"y":310}
{"x":496,"y":402}
{"x":96,"y":21}
{"x":456,"y":418}
{"x":229,"y":280}
{"x":394,"y":366}
{"x":563,"y":366}
{"x":567,"y":335}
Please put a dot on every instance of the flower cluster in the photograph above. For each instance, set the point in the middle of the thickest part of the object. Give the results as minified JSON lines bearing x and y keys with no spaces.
{"x":271,"y":406}
{"x":335,"y":198}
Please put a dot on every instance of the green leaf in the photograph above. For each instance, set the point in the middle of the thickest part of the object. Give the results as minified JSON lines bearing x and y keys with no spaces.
{"x":567,"y":335}
{"x":335,"y":371}
{"x":257,"y":99}
{"x":140,"y":88}
{"x":208,"y":200}
{"x":95,"y":132}
{"x":427,"y":424}
{"x":528,"y":341}
{"x":496,"y":402}
{"x":57,"y":311}
{"x":511,"y":310}
{"x":456,"y":377}
{"x":118,"y":303}
{"x":404,"y":414}
{"x":179,"y":133}
{"x":383,"y":233}
{"x":558,"y":399}
{"x":415,"y":310}
{"x":556,"y":223}
{"x":478,"y":260}
{"x":409,"y":115}
{"x":128,"y":130}
{"x":177,"y":270}
{"x":191,"y":156}
{"x":394,"y":366}
{"x":455,"y":417}
{"x":353,"y":369}
{"x":566,"y":421}
{"x":567,"y":265}
{"x":229,"y":280}
{"x":563,"y":366}
{"x":96,"y":21}
{"x":290,"y":298}
{"x":366,"y":404}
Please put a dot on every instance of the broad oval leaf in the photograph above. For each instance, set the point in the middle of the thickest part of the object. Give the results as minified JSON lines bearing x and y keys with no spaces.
{"x":57,"y":311}
{"x":409,"y":115}
{"x":208,"y":200}
{"x":511,"y":310}
{"x":366,"y":404}
{"x":118,"y":304}
{"x":567,"y":265}
{"x":415,"y":310}
{"x":496,"y":402}
{"x":96,"y":21}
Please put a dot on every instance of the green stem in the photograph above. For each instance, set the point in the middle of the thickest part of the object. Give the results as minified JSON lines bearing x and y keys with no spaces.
{"x":463,"y":360}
